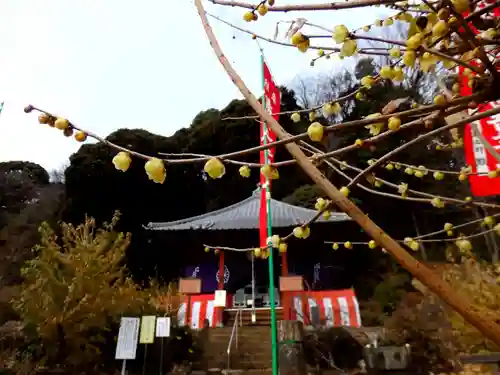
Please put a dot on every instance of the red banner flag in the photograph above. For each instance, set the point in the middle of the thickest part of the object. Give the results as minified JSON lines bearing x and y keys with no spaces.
{"x":476,"y":154}
{"x":272,"y":97}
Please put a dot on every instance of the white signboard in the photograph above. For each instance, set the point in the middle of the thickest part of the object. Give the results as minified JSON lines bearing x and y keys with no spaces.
{"x":220,"y":298}
{"x":127,"y":338}
{"x":163,"y":327}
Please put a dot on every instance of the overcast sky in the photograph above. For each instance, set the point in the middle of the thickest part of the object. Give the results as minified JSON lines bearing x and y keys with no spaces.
{"x":111,"y":64}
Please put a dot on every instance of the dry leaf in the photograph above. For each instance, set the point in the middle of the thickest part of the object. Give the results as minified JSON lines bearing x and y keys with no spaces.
{"x":295,"y":27}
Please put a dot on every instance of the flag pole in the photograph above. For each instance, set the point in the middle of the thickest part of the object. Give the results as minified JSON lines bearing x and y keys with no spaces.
{"x":267,"y":187}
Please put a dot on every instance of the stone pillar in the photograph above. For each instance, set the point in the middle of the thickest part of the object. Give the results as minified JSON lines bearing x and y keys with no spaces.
{"x":220,"y":286}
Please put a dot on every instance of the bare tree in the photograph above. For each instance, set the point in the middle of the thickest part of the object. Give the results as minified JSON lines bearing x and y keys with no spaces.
{"x":57,"y":175}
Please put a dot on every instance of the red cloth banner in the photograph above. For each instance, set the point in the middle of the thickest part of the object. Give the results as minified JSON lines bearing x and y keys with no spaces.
{"x":337,"y":308}
{"x":476,"y":154}
{"x":272,"y":97}
{"x":202,"y":308}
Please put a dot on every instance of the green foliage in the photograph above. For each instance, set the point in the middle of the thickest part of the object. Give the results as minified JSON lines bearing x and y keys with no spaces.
{"x":76,"y":289}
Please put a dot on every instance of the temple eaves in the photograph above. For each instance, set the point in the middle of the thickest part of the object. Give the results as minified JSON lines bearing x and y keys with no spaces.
{"x":245,"y":215}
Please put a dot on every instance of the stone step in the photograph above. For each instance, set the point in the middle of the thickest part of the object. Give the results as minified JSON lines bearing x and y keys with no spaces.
{"x":256,"y":337}
{"x":263,"y":316}
{"x":223,"y":371}
{"x":252,"y":365}
{"x":243,"y":357}
{"x":229,"y":328}
{"x":240,"y":364}
{"x":244,"y":350}
{"x":253,"y":352}
{"x":257,"y":333}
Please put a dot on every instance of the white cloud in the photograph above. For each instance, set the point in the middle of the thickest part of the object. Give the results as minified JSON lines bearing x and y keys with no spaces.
{"x":120,"y":63}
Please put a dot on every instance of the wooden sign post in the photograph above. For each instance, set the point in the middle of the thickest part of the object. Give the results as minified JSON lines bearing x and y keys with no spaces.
{"x":189,"y":286}
{"x":148,"y":325}
{"x":289,"y":284}
{"x":290,"y":332}
{"x":220,"y":299}
{"x":162,"y":331}
{"x":126,"y":346}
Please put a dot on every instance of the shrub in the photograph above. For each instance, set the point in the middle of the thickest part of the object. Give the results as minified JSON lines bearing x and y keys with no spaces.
{"x":74,"y":292}
{"x":479,"y":281}
{"x":437,"y":333}
{"x":422,"y":322}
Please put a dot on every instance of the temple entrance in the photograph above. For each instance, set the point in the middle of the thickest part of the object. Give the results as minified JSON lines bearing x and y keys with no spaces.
{"x":255,"y":294}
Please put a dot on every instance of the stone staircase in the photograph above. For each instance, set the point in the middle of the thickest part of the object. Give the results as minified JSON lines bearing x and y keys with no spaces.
{"x":263,"y":316}
{"x":251,"y":349}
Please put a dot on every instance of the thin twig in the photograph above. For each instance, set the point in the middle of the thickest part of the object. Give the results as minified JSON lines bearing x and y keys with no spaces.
{"x":422,"y":137}
{"x":308,"y":7}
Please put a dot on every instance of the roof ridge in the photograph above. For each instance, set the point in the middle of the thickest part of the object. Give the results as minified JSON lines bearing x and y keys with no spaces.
{"x":284,"y":215}
{"x":202,"y":216}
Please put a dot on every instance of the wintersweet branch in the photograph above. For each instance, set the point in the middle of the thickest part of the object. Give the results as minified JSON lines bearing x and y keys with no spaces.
{"x":474,"y":127}
{"x":427,"y":197}
{"x":226,"y":248}
{"x":454,"y":227}
{"x":471,"y":17}
{"x":382,"y":136}
{"x":469,"y":37}
{"x":93,"y":135}
{"x":373,"y":191}
{"x":308,"y":7}
{"x":305,"y":110}
{"x":362,"y":51}
{"x":420,"y":193}
{"x":420,"y":238}
{"x":410,"y":112}
{"x":424,"y":109}
{"x":437,"y":240}
{"x":423,"y":47}
{"x":422,"y":137}
{"x":198,"y":158}
{"x":482,"y":11}
{"x":443,"y":171}
{"x":345,"y":125}
{"x":317,"y":156}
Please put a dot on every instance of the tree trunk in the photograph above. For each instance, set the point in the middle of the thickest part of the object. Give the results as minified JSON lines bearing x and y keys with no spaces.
{"x":291,"y":353}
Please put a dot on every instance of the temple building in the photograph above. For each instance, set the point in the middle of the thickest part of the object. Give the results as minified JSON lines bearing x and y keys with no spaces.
{"x":327,"y":290}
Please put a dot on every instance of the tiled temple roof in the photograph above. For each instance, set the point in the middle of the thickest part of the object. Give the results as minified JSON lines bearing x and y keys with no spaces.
{"x":245,"y":215}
